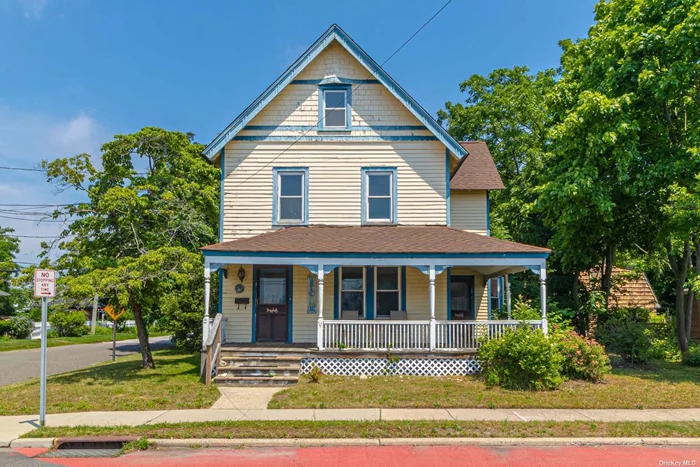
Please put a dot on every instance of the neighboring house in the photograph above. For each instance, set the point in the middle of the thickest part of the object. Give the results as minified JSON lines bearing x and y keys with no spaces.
{"x":630,"y":289}
{"x":351,"y":219}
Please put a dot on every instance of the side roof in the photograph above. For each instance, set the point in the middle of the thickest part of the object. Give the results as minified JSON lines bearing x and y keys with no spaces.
{"x":334,"y":33}
{"x":477,"y":171}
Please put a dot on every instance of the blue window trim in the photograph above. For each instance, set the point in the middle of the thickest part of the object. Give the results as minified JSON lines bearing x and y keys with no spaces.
{"x":364,"y":191}
{"x":449,"y":294}
{"x":275,"y":176}
{"x":447,"y":186}
{"x":255,"y":305}
{"x":290,"y":304}
{"x":322,"y":105}
{"x":220,"y":292}
{"x":369,"y":292}
{"x":336,"y":293}
{"x":403,"y":288}
{"x":501,"y":286}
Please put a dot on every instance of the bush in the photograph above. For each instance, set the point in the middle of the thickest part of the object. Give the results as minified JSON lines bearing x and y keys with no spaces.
{"x":626,"y":337}
{"x":521,"y":359}
{"x":20,"y":327}
{"x":103,"y":331}
{"x":52,"y":334}
{"x":583,"y":358}
{"x":4,"y":327}
{"x":693,"y":359}
{"x":69,"y":323}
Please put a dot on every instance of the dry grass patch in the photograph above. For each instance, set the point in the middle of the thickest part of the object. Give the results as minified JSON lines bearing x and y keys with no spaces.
{"x":120,"y":385}
{"x":380,"y":429}
{"x":668,"y":385}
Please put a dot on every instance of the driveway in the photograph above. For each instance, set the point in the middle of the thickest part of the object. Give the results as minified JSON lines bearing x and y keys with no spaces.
{"x":21,"y":365}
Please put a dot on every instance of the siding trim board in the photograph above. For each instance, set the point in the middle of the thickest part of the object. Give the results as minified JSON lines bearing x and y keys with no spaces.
{"x":447,"y":185}
{"x":336,"y":138}
{"x":334,"y":33}
{"x":222,"y":181}
{"x":357,"y":128}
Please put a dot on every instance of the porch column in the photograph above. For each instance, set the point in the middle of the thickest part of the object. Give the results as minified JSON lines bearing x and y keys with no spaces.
{"x":431,"y":278}
{"x":207,"y":293}
{"x":543,"y":298}
{"x":319,"y":331}
{"x":508,"y":300}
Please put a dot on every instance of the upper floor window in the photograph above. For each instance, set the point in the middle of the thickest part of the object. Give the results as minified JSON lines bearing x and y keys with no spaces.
{"x":379,"y":195}
{"x":290,"y":187}
{"x":335,"y":107}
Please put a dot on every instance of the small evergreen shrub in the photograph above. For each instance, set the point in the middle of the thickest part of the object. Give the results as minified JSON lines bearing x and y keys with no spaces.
{"x":69,"y":323}
{"x":626,"y":337}
{"x":583,"y":358}
{"x":521,"y":359}
{"x":20,"y":327}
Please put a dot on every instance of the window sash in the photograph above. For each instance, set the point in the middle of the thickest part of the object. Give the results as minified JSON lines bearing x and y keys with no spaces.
{"x":361,"y":291}
{"x":335,"y":109}
{"x":369,"y":197}
{"x":280,"y":197}
{"x":377,"y":290}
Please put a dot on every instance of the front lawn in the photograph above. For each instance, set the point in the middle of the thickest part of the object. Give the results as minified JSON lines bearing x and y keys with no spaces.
{"x":379,"y":429}
{"x":23,"y":344}
{"x":120,"y":385}
{"x":667,"y":385}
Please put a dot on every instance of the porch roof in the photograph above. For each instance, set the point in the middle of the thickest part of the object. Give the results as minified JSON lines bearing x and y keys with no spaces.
{"x":377,"y":240}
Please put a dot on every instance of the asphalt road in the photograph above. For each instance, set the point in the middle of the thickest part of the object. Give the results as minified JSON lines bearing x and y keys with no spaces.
{"x":21,"y":365}
{"x":386,"y":456}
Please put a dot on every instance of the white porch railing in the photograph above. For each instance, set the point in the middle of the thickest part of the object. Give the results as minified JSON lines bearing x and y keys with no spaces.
{"x":376,"y":335}
{"x":468,"y":334}
{"x":413,"y":335}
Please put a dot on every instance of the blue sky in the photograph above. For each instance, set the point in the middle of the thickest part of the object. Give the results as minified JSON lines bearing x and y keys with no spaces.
{"x":75,"y":72}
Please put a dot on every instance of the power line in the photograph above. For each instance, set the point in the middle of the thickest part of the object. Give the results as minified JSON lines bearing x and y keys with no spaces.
{"x":40,"y":205}
{"x":33,"y":236}
{"x":22,"y":169}
{"x":354,"y":88}
{"x":33,"y":220}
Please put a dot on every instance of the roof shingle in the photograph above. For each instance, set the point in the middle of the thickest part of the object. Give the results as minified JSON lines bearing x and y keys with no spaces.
{"x":477,"y":171}
{"x":374,"y":240}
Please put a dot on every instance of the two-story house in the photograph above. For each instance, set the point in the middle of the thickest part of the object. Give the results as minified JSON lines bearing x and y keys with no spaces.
{"x":350,"y":219}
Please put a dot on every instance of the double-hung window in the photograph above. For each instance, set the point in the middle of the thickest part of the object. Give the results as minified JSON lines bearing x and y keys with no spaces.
{"x":352,"y":289}
{"x":379,"y":192}
{"x":291,"y":195}
{"x":388,"y":291}
{"x":335,"y":107}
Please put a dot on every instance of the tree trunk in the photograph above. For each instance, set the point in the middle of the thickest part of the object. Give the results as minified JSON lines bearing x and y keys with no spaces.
{"x":574,"y":292}
{"x":692,"y":295}
{"x":680,"y":267}
{"x":146,"y":356}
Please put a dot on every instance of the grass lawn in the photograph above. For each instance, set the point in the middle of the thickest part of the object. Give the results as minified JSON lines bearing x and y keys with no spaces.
{"x":380,"y":429}
{"x":23,"y":344}
{"x":668,"y":385}
{"x":120,"y":385}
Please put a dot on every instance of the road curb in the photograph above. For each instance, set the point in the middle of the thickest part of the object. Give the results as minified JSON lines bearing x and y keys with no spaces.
{"x":33,"y":443}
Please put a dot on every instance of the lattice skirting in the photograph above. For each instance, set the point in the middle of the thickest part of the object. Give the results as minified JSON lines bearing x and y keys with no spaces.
{"x":382,"y":366}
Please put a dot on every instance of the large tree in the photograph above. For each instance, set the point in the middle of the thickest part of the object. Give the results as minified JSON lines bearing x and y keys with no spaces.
{"x":149,"y":209}
{"x":9,"y":247}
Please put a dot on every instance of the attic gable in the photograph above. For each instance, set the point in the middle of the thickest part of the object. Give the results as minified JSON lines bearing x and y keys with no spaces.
{"x":334,"y":35}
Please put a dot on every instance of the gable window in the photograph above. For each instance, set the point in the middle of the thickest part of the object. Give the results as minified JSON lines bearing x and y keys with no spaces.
{"x":388,"y":291}
{"x":379,"y":195}
{"x":334,"y":106}
{"x":352,"y":290}
{"x":290,"y":187}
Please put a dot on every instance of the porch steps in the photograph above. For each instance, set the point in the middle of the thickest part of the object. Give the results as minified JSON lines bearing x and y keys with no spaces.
{"x":258,"y":369}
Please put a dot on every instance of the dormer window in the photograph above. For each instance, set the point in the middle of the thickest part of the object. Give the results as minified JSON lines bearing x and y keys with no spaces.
{"x":334,"y":107}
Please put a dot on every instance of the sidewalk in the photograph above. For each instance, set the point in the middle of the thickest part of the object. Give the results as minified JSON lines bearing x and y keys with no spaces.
{"x":11,"y":427}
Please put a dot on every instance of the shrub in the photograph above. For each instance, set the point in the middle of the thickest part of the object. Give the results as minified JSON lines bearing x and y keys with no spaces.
{"x":103,"y":331}
{"x":521,"y":359}
{"x":625,"y":336}
{"x":69,"y":323}
{"x":52,"y":334}
{"x":20,"y":327}
{"x":4,"y":327}
{"x":315,"y":374}
{"x":693,"y":359}
{"x":583,"y":358}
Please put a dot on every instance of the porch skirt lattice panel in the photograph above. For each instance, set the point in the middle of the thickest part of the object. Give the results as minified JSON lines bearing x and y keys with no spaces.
{"x":402,"y":366}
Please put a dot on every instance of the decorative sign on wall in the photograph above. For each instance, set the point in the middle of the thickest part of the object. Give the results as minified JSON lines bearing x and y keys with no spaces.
{"x":241,"y":301}
{"x":312,"y":294}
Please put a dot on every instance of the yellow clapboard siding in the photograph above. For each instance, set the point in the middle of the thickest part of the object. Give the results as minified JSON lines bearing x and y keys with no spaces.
{"x":239,"y":319}
{"x":468,"y":211}
{"x":304,"y":324}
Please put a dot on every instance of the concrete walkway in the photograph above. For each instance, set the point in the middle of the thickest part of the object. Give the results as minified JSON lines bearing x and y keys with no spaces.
{"x":11,"y":427}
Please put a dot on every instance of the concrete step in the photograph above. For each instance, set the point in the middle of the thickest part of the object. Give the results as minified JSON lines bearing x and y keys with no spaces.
{"x":255,"y":381}
{"x":261,"y":372}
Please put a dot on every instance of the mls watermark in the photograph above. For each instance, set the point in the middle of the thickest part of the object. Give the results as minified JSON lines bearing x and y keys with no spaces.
{"x":678,"y":463}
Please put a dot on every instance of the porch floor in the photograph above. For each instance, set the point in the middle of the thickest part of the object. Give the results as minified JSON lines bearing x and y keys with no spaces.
{"x":308,"y":350}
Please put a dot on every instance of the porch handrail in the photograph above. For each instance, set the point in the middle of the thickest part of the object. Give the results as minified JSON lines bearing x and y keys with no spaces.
{"x":376,"y":334}
{"x":469,"y":334}
{"x":212,"y":347}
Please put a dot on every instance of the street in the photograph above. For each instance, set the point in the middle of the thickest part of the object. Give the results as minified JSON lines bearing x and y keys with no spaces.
{"x":21,"y":365}
{"x":385,"y":456}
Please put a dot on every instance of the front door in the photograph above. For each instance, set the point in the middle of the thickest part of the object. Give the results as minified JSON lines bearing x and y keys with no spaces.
{"x":462,"y":297}
{"x":272,"y":318}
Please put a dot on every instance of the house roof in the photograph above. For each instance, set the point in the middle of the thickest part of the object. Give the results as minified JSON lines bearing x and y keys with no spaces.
{"x":334,"y":33}
{"x":411,"y":240}
{"x":477,"y":171}
{"x":630,"y":289}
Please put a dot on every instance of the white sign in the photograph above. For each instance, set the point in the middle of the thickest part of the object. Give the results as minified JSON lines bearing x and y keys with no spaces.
{"x":44,"y":283}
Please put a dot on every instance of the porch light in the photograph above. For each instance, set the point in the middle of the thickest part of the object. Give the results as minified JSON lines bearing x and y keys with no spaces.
{"x":241,"y":274}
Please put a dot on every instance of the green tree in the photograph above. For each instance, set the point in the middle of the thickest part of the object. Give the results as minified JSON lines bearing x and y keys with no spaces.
{"x":137,"y":236}
{"x":9,"y":247}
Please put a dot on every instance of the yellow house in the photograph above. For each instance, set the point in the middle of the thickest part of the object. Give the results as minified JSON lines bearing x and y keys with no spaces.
{"x":352,"y":220}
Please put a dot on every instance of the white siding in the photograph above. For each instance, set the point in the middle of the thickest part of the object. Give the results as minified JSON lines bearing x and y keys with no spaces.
{"x":334,"y":181}
{"x":468,"y":211}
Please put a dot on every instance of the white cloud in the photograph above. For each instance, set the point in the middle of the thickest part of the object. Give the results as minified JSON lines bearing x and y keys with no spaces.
{"x":26,"y":139}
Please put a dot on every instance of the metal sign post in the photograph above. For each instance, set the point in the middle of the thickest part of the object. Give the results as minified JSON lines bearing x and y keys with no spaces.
{"x":45,"y":288}
{"x":109,"y":309}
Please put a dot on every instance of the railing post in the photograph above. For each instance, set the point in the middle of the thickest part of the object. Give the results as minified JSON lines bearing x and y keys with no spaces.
{"x":508,"y":298}
{"x":431,"y":278}
{"x":319,"y":335}
{"x":543,"y":298}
